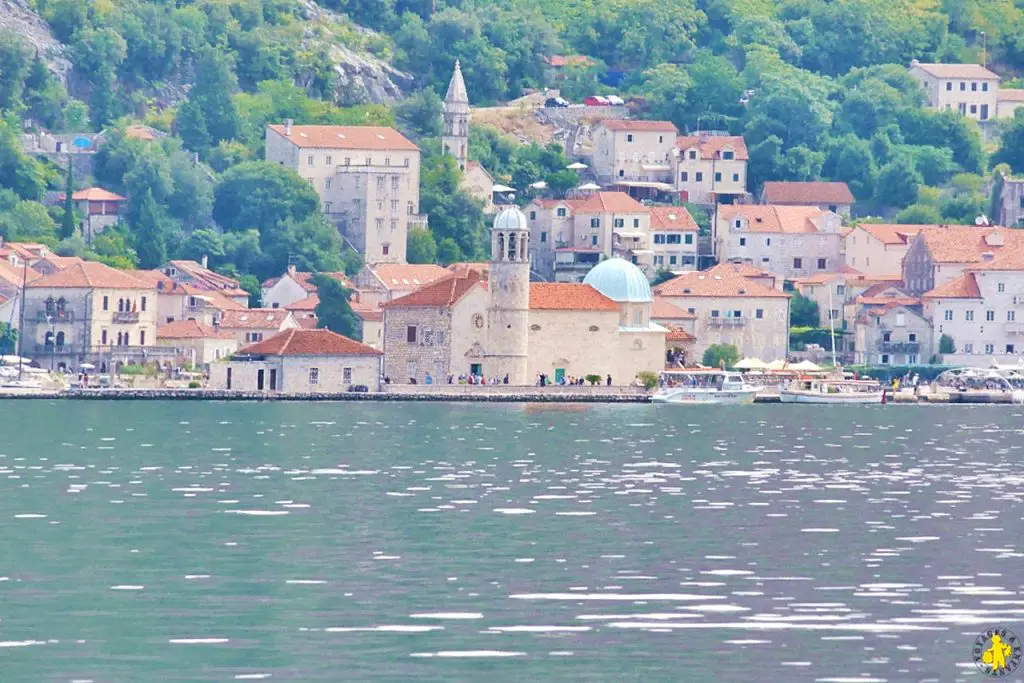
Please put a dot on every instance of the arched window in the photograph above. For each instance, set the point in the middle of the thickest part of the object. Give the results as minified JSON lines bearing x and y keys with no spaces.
{"x":60,"y":340}
{"x":512,"y":247}
{"x":120,"y":305}
{"x":49,"y":304}
{"x":522,"y":246}
{"x":500,"y":256}
{"x":61,"y":304}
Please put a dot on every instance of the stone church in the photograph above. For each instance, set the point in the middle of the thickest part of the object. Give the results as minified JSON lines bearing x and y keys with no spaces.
{"x":496,"y":323}
{"x":455,"y":141}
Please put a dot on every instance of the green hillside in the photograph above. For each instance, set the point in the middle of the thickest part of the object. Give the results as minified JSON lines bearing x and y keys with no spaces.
{"x":818,"y":88}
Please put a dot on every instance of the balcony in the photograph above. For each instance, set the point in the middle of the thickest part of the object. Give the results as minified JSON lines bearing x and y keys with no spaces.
{"x":899,"y":347}
{"x":47,"y":349}
{"x":417,"y":220}
{"x":1014,"y":328}
{"x":55,"y":316}
{"x":126,"y":317}
{"x":727,"y":322}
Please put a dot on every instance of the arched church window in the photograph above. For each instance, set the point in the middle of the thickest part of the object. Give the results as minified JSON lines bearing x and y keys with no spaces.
{"x":500,"y":256}
{"x":512,"y":247}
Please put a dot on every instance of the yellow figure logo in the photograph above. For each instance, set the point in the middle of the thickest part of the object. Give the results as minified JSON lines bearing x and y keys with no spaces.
{"x":997,"y":652}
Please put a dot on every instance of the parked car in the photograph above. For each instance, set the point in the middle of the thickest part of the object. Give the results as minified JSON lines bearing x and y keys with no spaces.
{"x":615,"y":100}
{"x":595,"y":101}
{"x":556,"y":102}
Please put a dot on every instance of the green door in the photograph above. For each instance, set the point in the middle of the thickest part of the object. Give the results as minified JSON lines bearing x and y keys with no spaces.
{"x":559,"y":375}
{"x":476,"y":369}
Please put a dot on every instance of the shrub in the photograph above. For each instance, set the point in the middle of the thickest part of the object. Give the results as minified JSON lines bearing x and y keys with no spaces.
{"x":716,"y":353}
{"x":946,"y":344}
{"x":593,"y":379}
{"x":195,"y":385}
{"x":648,"y":379}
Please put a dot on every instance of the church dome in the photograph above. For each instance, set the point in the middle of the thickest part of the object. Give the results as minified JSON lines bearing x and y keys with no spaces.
{"x":511,"y":219}
{"x":620,"y":281}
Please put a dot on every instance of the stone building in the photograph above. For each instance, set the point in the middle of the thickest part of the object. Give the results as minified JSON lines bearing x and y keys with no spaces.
{"x":99,"y":208}
{"x":293,"y":286}
{"x":626,"y":150}
{"x":790,"y":241}
{"x":878,"y":249}
{"x":827,"y":196}
{"x":942,"y":254}
{"x":970,"y":89}
{"x":1010,"y":202}
{"x":709,"y":169}
{"x":503,"y":324}
{"x":253,"y":325}
{"x":368,"y":179}
{"x":196,"y":343}
{"x":455,"y":110}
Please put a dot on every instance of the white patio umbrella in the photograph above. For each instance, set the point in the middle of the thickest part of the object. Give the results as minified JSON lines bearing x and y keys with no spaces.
{"x":577,"y":166}
{"x":539,"y":185}
{"x":777,"y":365}
{"x":502,"y":188}
{"x":589,"y":186}
{"x":806,"y":365}
{"x":751,"y":364}
{"x":14,"y":360}
{"x":87,"y":366}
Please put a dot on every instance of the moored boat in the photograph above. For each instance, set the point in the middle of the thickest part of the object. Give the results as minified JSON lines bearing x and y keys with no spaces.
{"x":704,"y":386}
{"x":837,"y":391}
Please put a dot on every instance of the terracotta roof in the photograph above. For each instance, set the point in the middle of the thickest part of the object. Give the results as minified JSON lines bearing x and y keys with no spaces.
{"x":347,"y":137}
{"x":367,"y":312}
{"x":672,"y":219}
{"x":4,"y":299}
{"x":663,"y":309}
{"x":462,"y":268}
{"x":552,"y":203}
{"x":90,"y":274}
{"x":304,"y":279}
{"x":1011,"y":95}
{"x":963,"y":287}
{"x":769,"y":218}
{"x":308,"y":304}
{"x":712,"y":146}
{"x":678,"y":334}
{"x":723,"y":280}
{"x":566,"y":60}
{"x":14,"y":274}
{"x":968,"y":244}
{"x":818,"y":192}
{"x":957,"y":71}
{"x":610,"y":202}
{"x":845,"y":272}
{"x":889,"y":300}
{"x":444,"y":292}
{"x":190,"y":329}
{"x":156,"y":280}
{"x":888,"y":233}
{"x":561,"y":296}
{"x":254,"y":318}
{"x":1008,"y":259}
{"x":404,"y":276}
{"x":297,"y":342}
{"x":207,"y":277}
{"x":213,"y":297}
{"x":639,"y":126}
{"x":139,"y":132}
{"x":471,"y":165}
{"x":94,"y":194}
{"x":879,"y":290}
{"x":61,"y":262}
{"x":307,"y":321}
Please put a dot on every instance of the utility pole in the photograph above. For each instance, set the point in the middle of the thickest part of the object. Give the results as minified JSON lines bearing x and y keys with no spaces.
{"x":984,"y":49}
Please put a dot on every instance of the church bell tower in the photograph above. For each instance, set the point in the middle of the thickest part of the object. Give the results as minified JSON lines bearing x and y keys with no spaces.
{"x":455,"y":140}
{"x":509,"y":284}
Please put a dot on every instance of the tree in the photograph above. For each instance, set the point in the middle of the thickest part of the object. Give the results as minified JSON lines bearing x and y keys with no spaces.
{"x":15,"y":62}
{"x":1011,"y":144}
{"x":190,"y":125}
{"x":919,"y":214}
{"x":334,"y":311}
{"x":717,"y":355}
{"x":422,"y":111}
{"x":18,"y":171}
{"x":898,"y":183}
{"x":851,"y":161}
{"x":150,"y":233}
{"x":67,"y":222}
{"x":663,"y":275}
{"x":258,"y":194}
{"x":803,"y":312}
{"x":212,"y":94}
{"x":946,"y":344}
{"x":421,"y":247}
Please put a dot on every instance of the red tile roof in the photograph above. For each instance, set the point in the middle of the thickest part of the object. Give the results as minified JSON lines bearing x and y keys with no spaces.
{"x":206,"y":278}
{"x":969,"y":244}
{"x":639,"y":126}
{"x":560,"y":296}
{"x":95,"y":194}
{"x":672,"y":219}
{"x":379,"y":138}
{"x":405,"y":276}
{"x":444,"y":292}
{"x":190,"y":329}
{"x":254,"y":319}
{"x":769,"y":218}
{"x":297,"y":342}
{"x":90,"y":274}
{"x":367,"y":312}
{"x":212,"y":297}
{"x":711,"y":146}
{"x":14,"y":274}
{"x":893,"y":300}
{"x":305,"y":280}
{"x":610,"y":202}
{"x":678,"y":334}
{"x":566,"y":60}
{"x":157,"y":280}
{"x":888,"y":233}
{"x":1003,"y":260}
{"x":663,"y":309}
{"x":975,"y":71}
{"x":308,"y":304}
{"x":139,"y":132}
{"x":723,"y":280}
{"x":1011,"y":95}
{"x":963,"y":287}
{"x":786,"y":192}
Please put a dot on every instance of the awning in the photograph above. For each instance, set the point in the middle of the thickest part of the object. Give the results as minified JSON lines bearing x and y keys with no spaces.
{"x":656,"y":167}
{"x":643,"y":183}
{"x":631,"y":233}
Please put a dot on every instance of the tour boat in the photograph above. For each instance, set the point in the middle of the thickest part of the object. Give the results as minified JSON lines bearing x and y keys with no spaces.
{"x":824,"y":390}
{"x":704,"y":386}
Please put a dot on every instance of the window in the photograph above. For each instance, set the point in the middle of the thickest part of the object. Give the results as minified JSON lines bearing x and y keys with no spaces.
{"x":379,"y":223}
{"x":728,"y":154}
{"x":990,"y":316}
{"x":948,"y":315}
{"x":714,"y":313}
{"x":684,"y":176}
{"x":440,"y":338}
{"x":1010,"y":316}
{"x":674,"y":239}
{"x":560,"y":212}
{"x":618,"y":222}
{"x":659,"y":238}
{"x":821,"y":264}
{"x":912,"y":337}
{"x":968,"y":316}
{"x":543,"y":237}
{"x":688,"y":238}
{"x":672,"y":260}
{"x":984,"y":87}
{"x":974,"y":109}
{"x":621,"y":173}
{"x":329,"y":159}
{"x":798,"y":262}
{"x":106,"y":303}
{"x":310,"y":160}
{"x":143,"y":302}
{"x":385,"y":248}
{"x":595,"y":222}
{"x":743,"y":241}
{"x":718,"y":177}
{"x":691,"y":311}
{"x":833,"y":314}
{"x":699,"y":176}
{"x":103,"y":337}
{"x":768,"y":242}
{"x":901,"y":320}
{"x":659,"y":260}
{"x":968,"y":347}
{"x":314,"y":375}
{"x":394,"y":206}
{"x":963,"y":86}
{"x":737,"y":314}
{"x":368,"y":161}
{"x":142,"y":337}
{"x":735,"y":177}
{"x":840,"y":290}
{"x":974,"y":87}
{"x":327,"y":207}
{"x":428,"y":337}
{"x":533,"y":215}
{"x":885,"y":359}
{"x":1009,"y":348}
{"x":1001,"y":287}
{"x":410,"y":334}
{"x":636,"y":222}
{"x":387,"y":161}
{"x":407,"y":162}
{"x":990,"y":349}
{"x":693,"y":154}
{"x":886,"y":336}
{"x":593,"y":240}
{"x":629,"y":137}
{"x":759,"y":313}
{"x":949,"y":86}
{"x":346,"y":375}
{"x":394,"y":183}
{"x":348,"y":161}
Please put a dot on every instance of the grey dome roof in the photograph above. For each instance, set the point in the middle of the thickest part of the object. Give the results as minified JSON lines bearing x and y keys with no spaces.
{"x":620,"y":281}
{"x":511,"y":219}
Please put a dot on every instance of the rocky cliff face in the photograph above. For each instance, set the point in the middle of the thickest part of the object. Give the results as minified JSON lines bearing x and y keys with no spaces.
{"x":18,"y":17}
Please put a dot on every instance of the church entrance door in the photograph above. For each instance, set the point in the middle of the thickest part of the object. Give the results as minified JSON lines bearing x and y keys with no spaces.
{"x":559,"y":375}
{"x":476,"y":369}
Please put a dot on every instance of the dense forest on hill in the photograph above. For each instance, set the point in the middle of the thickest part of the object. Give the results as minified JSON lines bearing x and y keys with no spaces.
{"x":818,"y":88}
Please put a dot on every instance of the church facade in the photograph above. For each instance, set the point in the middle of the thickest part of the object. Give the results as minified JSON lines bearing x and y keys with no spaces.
{"x":500,"y":324}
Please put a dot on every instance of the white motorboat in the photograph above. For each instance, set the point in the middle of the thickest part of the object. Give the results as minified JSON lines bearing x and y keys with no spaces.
{"x":704,"y":386}
{"x":838,"y":391}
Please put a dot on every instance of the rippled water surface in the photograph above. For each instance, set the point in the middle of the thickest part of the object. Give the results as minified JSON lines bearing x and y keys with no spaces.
{"x":334,"y":542}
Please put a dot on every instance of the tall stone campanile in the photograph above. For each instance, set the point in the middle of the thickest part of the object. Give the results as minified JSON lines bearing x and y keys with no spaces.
{"x":455,"y":140}
{"x":509,"y":311}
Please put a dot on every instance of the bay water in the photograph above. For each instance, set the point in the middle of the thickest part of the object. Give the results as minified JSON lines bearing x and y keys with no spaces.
{"x":185,"y":541}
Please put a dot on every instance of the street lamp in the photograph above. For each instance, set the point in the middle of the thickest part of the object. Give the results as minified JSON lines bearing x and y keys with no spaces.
{"x":52,"y":320}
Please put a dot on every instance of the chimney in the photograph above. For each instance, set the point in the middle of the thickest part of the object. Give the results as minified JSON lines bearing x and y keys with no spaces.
{"x":291,"y":269}
{"x":206,"y":260}
{"x":288,"y":127}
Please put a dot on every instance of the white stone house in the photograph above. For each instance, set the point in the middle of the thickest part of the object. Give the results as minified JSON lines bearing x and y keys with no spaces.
{"x":790,"y":241}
